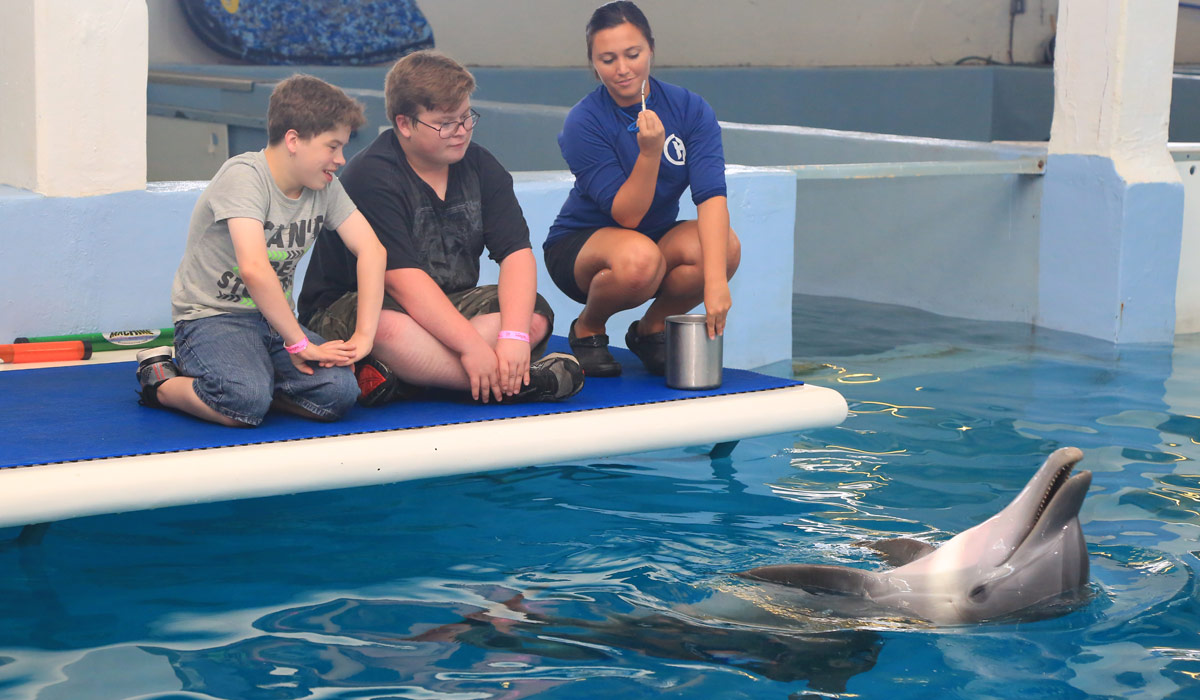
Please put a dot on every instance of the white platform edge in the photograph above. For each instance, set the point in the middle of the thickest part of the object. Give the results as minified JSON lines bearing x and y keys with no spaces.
{"x":52,"y":492}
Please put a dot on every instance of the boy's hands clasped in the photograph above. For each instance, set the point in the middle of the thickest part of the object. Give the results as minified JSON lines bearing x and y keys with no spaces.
{"x":499,"y":372}
{"x":512,"y":358}
{"x":333,"y":353}
{"x":479,"y":362}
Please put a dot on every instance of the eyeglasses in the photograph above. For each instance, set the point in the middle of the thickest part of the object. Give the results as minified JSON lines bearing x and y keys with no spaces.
{"x":448,"y":129}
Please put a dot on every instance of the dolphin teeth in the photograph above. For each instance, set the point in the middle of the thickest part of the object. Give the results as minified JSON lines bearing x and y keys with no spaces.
{"x":1059,"y":479}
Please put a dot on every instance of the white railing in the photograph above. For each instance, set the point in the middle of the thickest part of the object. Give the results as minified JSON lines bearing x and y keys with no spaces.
{"x":853,"y":171}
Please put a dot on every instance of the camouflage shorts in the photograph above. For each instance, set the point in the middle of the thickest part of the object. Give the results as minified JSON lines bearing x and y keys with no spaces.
{"x":339,"y":318}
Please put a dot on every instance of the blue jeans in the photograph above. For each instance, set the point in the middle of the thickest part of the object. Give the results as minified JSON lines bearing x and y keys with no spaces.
{"x":239,"y":366}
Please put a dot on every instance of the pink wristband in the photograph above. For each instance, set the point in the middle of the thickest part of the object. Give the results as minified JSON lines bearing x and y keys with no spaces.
{"x":514,"y":335}
{"x":298,"y":347}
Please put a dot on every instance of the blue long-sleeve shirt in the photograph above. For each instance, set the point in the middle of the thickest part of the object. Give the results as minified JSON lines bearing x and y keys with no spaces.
{"x":601,"y":151}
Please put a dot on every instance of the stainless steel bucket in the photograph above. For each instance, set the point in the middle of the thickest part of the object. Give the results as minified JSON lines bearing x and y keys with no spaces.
{"x":693,"y":360}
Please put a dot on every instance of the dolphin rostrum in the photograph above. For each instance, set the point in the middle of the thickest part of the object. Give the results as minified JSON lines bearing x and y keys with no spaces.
{"x":1031,"y":552}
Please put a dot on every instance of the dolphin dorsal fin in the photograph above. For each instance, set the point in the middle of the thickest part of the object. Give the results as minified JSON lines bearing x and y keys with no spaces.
{"x":900,"y":551}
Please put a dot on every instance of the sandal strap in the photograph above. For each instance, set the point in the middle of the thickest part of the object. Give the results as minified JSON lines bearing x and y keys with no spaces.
{"x":600,"y":340}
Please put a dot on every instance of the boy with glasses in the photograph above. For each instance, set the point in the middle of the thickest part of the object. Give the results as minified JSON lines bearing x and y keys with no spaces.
{"x":436,"y":201}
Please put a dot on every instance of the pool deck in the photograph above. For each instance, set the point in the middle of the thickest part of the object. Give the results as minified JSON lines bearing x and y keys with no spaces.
{"x":79,"y":444}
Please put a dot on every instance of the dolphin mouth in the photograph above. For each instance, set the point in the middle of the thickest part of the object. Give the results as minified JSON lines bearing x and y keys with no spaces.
{"x":1056,"y":483}
{"x":1061,"y":498}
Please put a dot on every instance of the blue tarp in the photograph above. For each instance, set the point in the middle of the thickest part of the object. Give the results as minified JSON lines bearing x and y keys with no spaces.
{"x":90,"y":411}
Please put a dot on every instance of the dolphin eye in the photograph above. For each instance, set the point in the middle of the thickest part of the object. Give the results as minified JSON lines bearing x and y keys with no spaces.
{"x":978,"y":594}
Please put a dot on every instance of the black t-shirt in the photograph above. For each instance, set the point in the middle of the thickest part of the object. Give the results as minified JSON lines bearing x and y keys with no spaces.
{"x":419,"y":230}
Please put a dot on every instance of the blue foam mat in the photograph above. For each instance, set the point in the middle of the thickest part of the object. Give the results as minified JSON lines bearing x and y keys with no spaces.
{"x":81,"y":412}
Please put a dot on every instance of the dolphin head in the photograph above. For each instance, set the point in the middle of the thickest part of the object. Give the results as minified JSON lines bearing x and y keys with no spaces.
{"x":1044,"y":500}
{"x":1050,"y":560}
{"x":1029,"y":553}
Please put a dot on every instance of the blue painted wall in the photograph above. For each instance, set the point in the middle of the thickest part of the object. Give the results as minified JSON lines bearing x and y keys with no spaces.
{"x":87,"y":264}
{"x":1109,"y":252}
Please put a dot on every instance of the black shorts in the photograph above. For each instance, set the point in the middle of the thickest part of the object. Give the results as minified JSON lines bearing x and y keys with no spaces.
{"x":561,"y":255}
{"x":560,"y":262}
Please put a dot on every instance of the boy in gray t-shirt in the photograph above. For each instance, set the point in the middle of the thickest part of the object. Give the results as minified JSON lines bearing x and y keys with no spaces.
{"x":240,"y":349}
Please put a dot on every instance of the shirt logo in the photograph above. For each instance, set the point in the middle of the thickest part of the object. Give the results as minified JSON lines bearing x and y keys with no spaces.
{"x":674,"y":150}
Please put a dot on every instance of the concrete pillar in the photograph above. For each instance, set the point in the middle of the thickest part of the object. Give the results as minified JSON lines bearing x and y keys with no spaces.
{"x":73,"y":96}
{"x":1112,"y":208}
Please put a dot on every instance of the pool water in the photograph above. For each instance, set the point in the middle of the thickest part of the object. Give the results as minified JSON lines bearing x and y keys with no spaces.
{"x":582,"y":580}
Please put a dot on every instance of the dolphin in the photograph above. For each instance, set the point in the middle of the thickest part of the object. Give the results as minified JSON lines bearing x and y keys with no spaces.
{"x":1031,"y":552}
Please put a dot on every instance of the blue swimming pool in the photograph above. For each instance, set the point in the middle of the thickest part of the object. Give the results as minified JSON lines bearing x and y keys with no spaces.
{"x":577,"y":580}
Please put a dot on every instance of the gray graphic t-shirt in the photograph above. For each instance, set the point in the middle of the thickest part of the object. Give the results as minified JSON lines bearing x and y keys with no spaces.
{"x":207,"y":282}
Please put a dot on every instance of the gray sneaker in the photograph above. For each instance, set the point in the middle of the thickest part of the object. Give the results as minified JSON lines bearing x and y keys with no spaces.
{"x":555,"y":377}
{"x":154,"y":367}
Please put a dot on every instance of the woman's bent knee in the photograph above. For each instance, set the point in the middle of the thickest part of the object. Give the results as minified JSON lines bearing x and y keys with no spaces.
{"x":640,"y":267}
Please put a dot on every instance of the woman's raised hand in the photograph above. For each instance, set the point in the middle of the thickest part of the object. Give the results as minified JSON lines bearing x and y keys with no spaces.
{"x":650,"y":134}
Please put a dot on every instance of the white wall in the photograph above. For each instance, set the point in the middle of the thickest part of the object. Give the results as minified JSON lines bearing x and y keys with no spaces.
{"x":766,"y":32}
{"x":18,"y":109}
{"x":1187,"y":36}
{"x":73,"y":96}
{"x":173,"y":41}
{"x":1187,"y":289}
{"x":708,"y":33}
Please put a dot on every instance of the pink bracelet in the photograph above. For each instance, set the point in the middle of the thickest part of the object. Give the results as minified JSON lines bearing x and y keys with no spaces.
{"x":514,"y":335}
{"x":298,"y":347}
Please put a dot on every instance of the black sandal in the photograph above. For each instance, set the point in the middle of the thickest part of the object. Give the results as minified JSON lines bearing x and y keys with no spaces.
{"x":593,"y":355}
{"x":650,"y":349}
